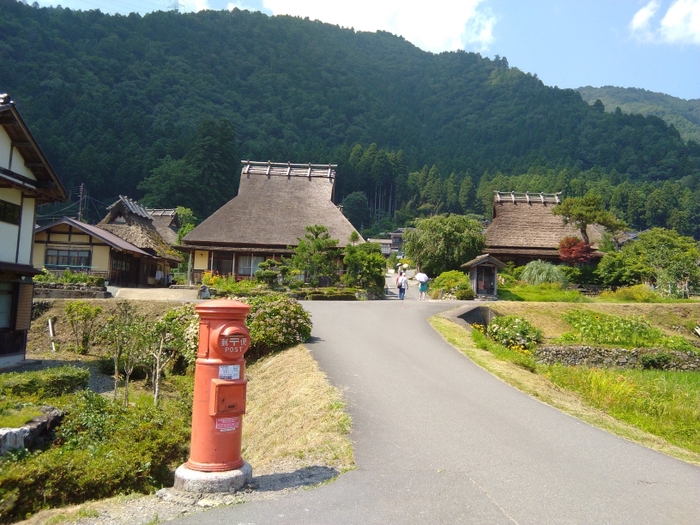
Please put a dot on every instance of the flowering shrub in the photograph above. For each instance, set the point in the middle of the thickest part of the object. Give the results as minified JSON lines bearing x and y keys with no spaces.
{"x":276,"y":321}
{"x":514,"y":333}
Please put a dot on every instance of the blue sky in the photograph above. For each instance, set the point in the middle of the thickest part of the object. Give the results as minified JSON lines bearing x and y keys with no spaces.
{"x":649,"y":44}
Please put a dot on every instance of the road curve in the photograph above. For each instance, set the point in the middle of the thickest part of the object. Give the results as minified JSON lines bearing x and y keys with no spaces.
{"x":439,"y":440}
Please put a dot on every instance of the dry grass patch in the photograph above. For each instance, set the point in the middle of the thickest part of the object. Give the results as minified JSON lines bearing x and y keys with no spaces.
{"x":547,"y":392}
{"x":294,"y":417}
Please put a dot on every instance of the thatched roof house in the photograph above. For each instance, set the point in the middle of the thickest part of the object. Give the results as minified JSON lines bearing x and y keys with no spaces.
{"x":130,"y":221}
{"x":166,"y":222}
{"x":274,"y":205}
{"x":525,"y":229}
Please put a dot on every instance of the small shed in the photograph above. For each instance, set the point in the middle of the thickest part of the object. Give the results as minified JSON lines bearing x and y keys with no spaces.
{"x":483,"y":275}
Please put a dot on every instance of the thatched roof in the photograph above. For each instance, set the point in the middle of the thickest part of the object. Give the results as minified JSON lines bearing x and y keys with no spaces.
{"x":130,"y":221}
{"x":166,"y":222}
{"x":274,"y":205}
{"x":525,"y":222}
{"x":45,"y":185}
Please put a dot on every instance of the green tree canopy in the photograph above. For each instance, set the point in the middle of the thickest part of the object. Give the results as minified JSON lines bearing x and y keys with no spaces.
{"x":356,"y":209}
{"x":316,"y":255}
{"x":443,"y":242}
{"x":660,"y":257}
{"x":581,"y":212}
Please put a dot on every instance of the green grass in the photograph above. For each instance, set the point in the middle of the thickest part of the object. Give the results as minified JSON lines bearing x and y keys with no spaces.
{"x":540,"y":293}
{"x":18,"y":417}
{"x":663,"y":403}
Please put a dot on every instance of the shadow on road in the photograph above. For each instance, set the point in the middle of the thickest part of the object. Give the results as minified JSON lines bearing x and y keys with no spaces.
{"x":303,"y":477}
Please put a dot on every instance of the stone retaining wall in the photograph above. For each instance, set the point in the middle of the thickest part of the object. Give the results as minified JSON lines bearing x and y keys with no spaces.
{"x":613,"y":357}
{"x":69,"y":291}
{"x":33,"y":434}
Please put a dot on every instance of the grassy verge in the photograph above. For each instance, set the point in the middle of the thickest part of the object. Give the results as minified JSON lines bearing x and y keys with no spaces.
{"x":663,"y":416}
{"x":294,"y":417}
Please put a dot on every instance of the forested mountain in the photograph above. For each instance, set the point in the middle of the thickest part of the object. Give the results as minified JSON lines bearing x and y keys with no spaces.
{"x":161,"y":107}
{"x":683,"y":114}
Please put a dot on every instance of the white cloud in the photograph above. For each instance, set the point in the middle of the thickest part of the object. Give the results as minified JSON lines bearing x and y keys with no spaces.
{"x":194,"y":6}
{"x":680,"y":24}
{"x":640,"y":21}
{"x":445,"y":25}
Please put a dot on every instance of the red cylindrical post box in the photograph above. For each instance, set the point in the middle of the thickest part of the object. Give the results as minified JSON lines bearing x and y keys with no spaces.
{"x":219,"y":386}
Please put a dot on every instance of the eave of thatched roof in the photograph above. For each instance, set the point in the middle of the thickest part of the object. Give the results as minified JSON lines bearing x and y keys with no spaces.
{"x":274,"y":207}
{"x":531,"y":226}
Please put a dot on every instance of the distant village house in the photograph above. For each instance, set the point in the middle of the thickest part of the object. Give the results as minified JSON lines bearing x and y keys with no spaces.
{"x":130,"y":247}
{"x":524,"y":229}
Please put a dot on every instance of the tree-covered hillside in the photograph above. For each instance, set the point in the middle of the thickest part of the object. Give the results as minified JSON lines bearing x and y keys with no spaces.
{"x":683,"y":114}
{"x":160,"y":108}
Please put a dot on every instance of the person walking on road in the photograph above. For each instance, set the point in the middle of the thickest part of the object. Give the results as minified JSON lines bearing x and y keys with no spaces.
{"x":422,"y":279}
{"x":402,"y":284}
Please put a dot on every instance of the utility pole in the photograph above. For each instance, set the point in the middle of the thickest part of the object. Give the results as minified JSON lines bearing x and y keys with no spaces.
{"x":80,"y":202}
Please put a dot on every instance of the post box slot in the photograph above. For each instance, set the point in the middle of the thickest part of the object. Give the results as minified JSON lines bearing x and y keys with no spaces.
{"x":227,"y":397}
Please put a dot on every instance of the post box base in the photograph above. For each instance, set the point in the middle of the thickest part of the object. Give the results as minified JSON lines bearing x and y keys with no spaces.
{"x":188,"y":480}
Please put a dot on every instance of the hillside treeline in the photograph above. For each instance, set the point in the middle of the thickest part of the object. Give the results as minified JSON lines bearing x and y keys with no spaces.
{"x":161,"y":107}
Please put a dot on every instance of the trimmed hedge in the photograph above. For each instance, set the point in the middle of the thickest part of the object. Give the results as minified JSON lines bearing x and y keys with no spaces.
{"x":51,"y":382}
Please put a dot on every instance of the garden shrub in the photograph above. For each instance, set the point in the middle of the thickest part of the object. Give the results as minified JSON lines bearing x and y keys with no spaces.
{"x":69,"y":277}
{"x":103,"y":449}
{"x":51,"y":382}
{"x":82,"y":319}
{"x":513,"y":333}
{"x":540,"y":272}
{"x":453,"y":282}
{"x":463,"y":292}
{"x":656,"y":361}
{"x":39,"y":308}
{"x":640,"y":293}
{"x":517,"y":355}
{"x":276,"y":321}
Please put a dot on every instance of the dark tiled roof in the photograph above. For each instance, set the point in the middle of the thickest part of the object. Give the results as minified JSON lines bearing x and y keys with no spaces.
{"x":107,"y":237}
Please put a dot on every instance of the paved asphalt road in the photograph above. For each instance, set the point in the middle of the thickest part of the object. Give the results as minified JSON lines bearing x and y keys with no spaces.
{"x":439,"y":440}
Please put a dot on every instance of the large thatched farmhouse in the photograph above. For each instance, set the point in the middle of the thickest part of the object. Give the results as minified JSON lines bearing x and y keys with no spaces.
{"x":274,"y":205}
{"x":26,"y":180}
{"x":524,"y":228}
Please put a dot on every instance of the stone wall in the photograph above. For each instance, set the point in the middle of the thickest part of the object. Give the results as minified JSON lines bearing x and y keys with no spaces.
{"x":69,"y":291}
{"x":32,"y":435}
{"x":613,"y":357}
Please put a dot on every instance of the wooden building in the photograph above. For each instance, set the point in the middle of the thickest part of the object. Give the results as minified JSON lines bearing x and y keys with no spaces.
{"x":26,"y":180}
{"x":274,"y":205}
{"x":524,"y":228}
{"x":130,"y":221}
{"x":483,"y":275}
{"x":74,"y":245}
